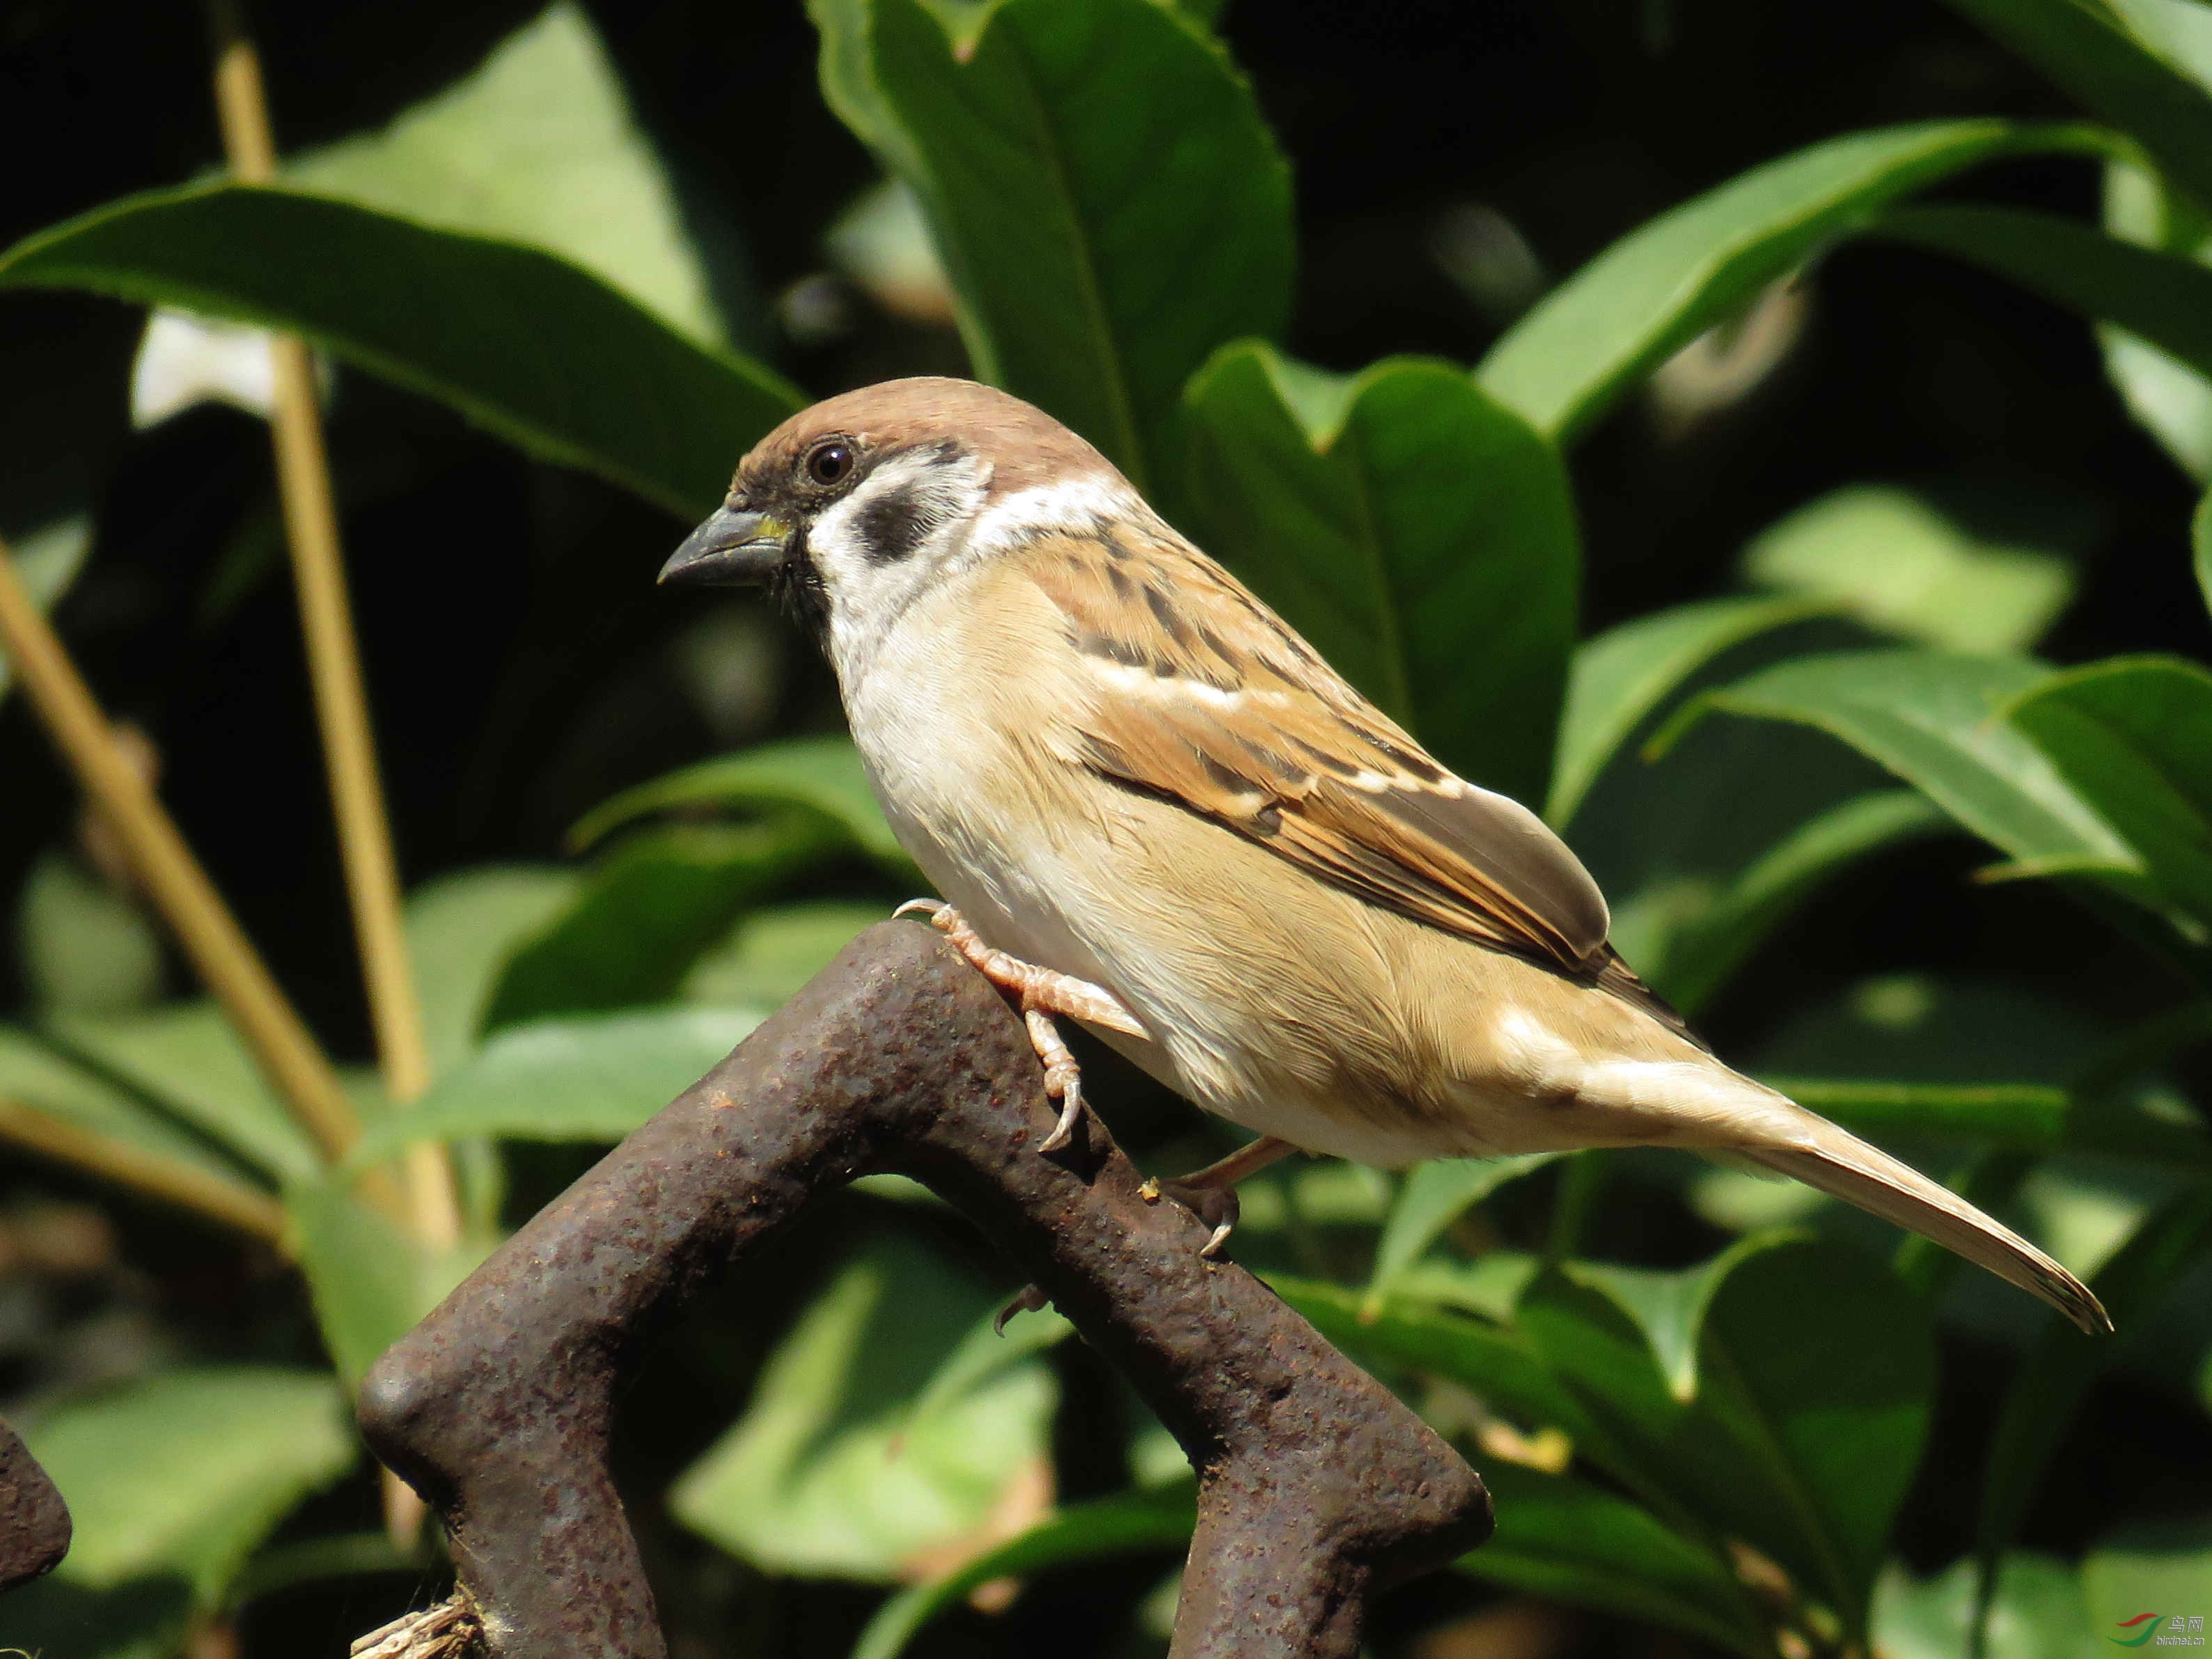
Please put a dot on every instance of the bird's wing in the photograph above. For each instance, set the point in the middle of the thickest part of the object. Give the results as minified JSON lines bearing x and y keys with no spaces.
{"x":1205,"y":698}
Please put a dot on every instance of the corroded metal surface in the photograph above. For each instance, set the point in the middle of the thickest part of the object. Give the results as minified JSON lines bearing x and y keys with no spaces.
{"x":1317,"y":1486}
{"x":35,"y":1522}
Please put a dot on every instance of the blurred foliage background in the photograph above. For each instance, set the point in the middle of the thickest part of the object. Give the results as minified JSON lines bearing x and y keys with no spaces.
{"x":1808,"y":497}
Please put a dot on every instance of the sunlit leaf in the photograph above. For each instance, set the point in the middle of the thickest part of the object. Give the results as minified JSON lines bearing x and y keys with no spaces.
{"x":461,"y":930}
{"x":774,"y":950}
{"x":518,"y":341}
{"x":371,"y":1280}
{"x":1421,"y":536}
{"x":1435,"y":1195}
{"x":1673,"y":278}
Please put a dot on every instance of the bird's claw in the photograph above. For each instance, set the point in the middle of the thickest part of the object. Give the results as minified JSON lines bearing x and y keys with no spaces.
{"x":1216,"y":1207}
{"x":1031,"y":1298}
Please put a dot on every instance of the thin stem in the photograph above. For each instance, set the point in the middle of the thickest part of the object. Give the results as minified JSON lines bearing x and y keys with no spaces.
{"x":311,"y":526}
{"x":215,"y":1196}
{"x":219,"y":950}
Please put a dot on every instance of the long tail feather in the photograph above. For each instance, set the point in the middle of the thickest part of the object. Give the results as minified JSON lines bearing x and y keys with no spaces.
{"x":1839,"y":1163}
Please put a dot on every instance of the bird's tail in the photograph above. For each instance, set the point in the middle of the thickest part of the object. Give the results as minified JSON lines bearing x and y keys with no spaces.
{"x":1821,"y":1155}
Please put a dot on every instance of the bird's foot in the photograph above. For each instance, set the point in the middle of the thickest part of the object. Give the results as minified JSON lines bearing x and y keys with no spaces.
{"x":1041,"y":993}
{"x":1210,"y":1193}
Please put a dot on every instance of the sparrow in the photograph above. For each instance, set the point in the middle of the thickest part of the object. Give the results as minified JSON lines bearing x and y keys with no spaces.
{"x":1153,"y":808}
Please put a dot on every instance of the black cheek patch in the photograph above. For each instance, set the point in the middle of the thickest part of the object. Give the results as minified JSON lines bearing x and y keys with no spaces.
{"x":892,"y":525}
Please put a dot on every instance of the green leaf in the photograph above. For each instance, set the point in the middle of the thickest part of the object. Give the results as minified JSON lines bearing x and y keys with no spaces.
{"x":1619,"y":679}
{"x":1895,"y":563}
{"x":186,"y":1058}
{"x":1421,"y":537}
{"x":1709,"y":933}
{"x":461,"y":930}
{"x":2019,"y":1117}
{"x":49,"y":1103}
{"x":589,"y":1078}
{"x":46,"y":561}
{"x":519,"y":342}
{"x":1935,"y":720}
{"x":172,"y":1481}
{"x":2133,"y":737}
{"x":649,"y":910}
{"x":1567,"y":1541}
{"x":1106,"y":199}
{"x":2059,"y":1370}
{"x":87,"y":947}
{"x":1813,"y":1372}
{"x":1139,"y":1522}
{"x":883,"y":1427}
{"x":371,"y":1280}
{"x":2088,"y":50}
{"x":2200,"y":542}
{"x":2160,"y":297}
{"x":774,"y":952}
{"x":537,"y":145}
{"x":2040,"y":1613}
{"x":1435,"y":1195}
{"x":1670,"y":280}
{"x":2164,"y":1565}
{"x":822,"y":777}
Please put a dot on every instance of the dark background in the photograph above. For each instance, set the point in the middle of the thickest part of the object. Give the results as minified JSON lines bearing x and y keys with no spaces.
{"x":519,"y":659}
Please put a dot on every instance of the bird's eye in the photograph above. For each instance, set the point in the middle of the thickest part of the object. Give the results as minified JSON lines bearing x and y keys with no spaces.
{"x":830,"y":463}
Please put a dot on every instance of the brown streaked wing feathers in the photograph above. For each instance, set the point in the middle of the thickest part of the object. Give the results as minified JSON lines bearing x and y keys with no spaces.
{"x":1301,"y":763}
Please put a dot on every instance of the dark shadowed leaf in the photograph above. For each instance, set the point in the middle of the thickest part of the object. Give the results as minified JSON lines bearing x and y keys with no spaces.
{"x":2090,"y":52}
{"x":1619,"y":678}
{"x":649,"y":910}
{"x":1421,"y":536}
{"x":1568,"y":1540}
{"x":1106,"y":197}
{"x":2159,"y":297}
{"x":1670,"y":279}
{"x":2133,"y":736}
{"x":518,"y":341}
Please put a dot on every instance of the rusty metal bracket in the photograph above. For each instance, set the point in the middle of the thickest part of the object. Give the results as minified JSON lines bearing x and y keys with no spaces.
{"x":35,"y":1522}
{"x":1317,"y":1486}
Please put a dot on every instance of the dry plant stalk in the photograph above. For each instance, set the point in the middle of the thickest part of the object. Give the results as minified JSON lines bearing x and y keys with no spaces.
{"x":357,"y":805}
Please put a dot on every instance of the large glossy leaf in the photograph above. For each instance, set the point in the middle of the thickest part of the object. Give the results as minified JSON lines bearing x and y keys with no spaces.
{"x":2157,"y":296}
{"x":54,"y":1106}
{"x":1138,"y":1521}
{"x":2058,"y":1372}
{"x":461,"y":929}
{"x":1106,"y":197}
{"x":46,"y":561}
{"x":819,"y":775}
{"x":1898,"y":563}
{"x":774,"y":950}
{"x":650,"y":908}
{"x":2133,"y":737}
{"x":1568,"y":1540}
{"x":538,"y":145}
{"x":517,"y":340}
{"x":2039,"y":1612}
{"x":1935,"y":720}
{"x":2089,"y":51}
{"x":1668,"y":281}
{"x":172,"y":1481}
{"x":889,"y":1425}
{"x":584,"y":1077}
{"x":1619,"y":679}
{"x":186,"y":1058}
{"x":1806,"y":1404}
{"x":371,"y":1282}
{"x":1419,"y":534}
{"x":1435,"y":1195}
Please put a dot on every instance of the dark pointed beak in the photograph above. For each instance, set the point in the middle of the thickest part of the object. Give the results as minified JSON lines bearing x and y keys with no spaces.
{"x":731,"y":550}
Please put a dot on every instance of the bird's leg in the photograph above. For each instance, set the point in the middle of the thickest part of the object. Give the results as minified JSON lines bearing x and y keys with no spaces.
{"x":1210,"y":1193}
{"x":1041,"y":993}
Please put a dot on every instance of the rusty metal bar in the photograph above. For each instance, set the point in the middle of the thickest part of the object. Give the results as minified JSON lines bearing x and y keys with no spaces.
{"x":35,"y":1522}
{"x":1317,"y":1486}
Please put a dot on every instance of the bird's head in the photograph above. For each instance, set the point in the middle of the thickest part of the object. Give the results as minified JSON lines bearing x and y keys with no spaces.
{"x":852,"y":508}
